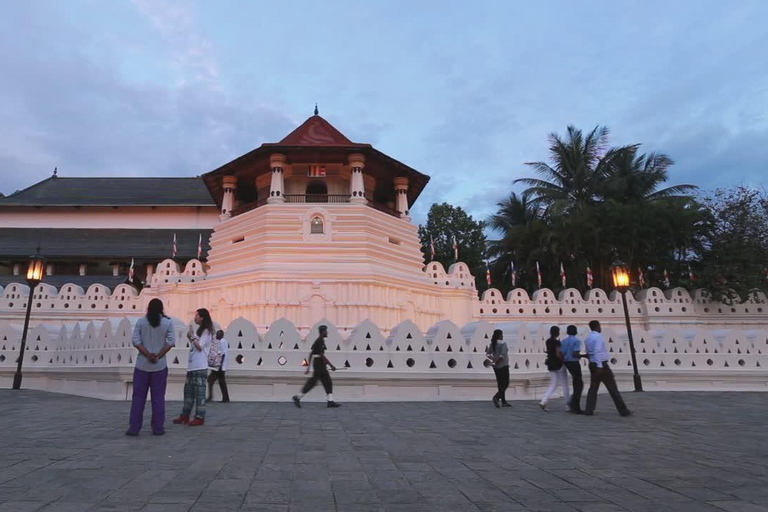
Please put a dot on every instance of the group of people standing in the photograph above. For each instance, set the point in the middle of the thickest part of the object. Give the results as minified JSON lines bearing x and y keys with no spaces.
{"x":154,"y":337}
{"x":564,"y":357}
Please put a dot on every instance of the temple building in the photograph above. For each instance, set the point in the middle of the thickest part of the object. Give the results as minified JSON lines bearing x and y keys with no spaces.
{"x":314,"y":226}
{"x":91,"y":229}
{"x":314,"y":230}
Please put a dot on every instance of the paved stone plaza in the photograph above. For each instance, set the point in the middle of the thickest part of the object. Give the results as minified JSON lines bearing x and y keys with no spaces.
{"x":679,"y":451}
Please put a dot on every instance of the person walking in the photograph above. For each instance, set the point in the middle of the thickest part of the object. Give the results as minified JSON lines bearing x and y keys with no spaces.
{"x":153,"y":337}
{"x":570,"y":347}
{"x":600,"y":372}
{"x":197,"y":369}
{"x":318,"y":361}
{"x":218,"y":362}
{"x":498,"y":354}
{"x":557,"y":373}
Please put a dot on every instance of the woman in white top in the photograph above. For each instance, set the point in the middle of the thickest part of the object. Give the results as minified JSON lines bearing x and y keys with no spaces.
{"x":197,"y":369}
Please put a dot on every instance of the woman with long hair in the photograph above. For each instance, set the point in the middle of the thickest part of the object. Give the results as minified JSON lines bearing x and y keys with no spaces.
{"x":200,"y":339}
{"x":498,"y":354}
{"x":153,"y":337}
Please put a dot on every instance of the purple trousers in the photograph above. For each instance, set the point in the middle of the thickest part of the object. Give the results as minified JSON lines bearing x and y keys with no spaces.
{"x":142,"y":383}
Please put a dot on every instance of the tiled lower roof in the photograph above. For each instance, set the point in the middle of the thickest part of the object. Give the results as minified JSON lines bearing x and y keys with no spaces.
{"x":57,"y":191}
{"x":90,"y":244}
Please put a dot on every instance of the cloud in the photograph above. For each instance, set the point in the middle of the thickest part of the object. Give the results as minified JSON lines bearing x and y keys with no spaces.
{"x":78,"y":110}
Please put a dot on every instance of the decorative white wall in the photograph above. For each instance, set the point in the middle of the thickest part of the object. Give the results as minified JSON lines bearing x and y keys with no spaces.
{"x":96,"y":358}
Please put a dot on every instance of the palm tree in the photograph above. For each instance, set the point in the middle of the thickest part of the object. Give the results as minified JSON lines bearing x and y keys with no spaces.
{"x":577,"y":169}
{"x":634,"y":178}
{"x":521,"y":222}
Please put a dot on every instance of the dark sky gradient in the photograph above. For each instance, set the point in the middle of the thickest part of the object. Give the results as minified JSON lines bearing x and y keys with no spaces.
{"x":463,"y":91}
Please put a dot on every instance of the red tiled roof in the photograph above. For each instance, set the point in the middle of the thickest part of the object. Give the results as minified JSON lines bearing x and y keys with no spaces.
{"x":316,"y":131}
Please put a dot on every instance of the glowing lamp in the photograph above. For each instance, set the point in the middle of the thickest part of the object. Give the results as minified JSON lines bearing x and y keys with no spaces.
{"x":620,"y":275}
{"x":35,"y":270}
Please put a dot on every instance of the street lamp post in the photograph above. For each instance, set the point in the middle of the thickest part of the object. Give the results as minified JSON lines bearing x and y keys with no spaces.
{"x":35,"y":272}
{"x":620,"y":275}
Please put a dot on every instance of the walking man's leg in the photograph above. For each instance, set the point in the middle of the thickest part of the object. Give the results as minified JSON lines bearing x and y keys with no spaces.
{"x":594,"y":385}
{"x":223,"y":386}
{"x":578,"y":385}
{"x":211,"y":380}
{"x":613,"y":389}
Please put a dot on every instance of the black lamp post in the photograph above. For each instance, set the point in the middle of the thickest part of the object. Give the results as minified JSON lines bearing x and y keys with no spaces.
{"x":35,"y":272}
{"x":620,"y":275}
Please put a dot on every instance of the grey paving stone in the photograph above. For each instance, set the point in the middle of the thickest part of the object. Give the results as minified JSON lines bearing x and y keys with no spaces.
{"x":677,"y":453}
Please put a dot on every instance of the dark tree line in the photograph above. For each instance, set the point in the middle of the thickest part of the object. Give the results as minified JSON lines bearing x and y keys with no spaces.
{"x":591,"y":204}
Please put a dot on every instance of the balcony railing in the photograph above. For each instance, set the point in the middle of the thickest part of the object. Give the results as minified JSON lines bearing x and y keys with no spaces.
{"x":317,"y":198}
{"x":383,"y":208}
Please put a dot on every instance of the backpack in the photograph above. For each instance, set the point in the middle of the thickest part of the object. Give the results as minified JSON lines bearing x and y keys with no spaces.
{"x":215,"y":356}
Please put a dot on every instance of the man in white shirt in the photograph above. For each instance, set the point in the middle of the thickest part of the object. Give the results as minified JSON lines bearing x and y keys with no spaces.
{"x":600,"y":371}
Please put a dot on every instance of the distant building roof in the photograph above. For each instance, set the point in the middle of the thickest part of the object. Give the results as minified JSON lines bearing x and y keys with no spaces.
{"x":57,"y":191}
{"x":90,"y":244}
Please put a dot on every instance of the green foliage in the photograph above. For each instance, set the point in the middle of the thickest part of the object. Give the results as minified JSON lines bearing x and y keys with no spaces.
{"x":443,"y":222}
{"x":591,"y":204}
{"x":733,"y":259}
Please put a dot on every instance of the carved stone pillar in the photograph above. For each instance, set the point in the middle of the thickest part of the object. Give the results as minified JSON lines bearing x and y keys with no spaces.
{"x":83,"y":269}
{"x":49,"y":269}
{"x":17,"y":269}
{"x":228,"y":202}
{"x":277,"y":185}
{"x":150,"y":271}
{"x":356,"y":182}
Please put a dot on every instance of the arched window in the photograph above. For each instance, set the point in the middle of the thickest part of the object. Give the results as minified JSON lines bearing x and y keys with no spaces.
{"x":317,"y":192}
{"x":316,"y":226}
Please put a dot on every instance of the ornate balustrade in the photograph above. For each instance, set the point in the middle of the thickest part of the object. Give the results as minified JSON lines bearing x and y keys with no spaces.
{"x":448,"y":354}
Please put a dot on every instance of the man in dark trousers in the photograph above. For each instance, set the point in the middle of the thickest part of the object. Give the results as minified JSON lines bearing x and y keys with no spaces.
{"x":571,"y":350}
{"x":600,"y":372}
{"x":318,"y":361}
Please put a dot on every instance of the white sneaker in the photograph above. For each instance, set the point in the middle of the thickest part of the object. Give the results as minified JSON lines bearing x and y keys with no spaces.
{"x":543,"y":406}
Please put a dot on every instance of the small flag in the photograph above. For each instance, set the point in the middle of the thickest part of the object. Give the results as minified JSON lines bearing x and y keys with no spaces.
{"x":432,"y":248}
{"x":487,"y":274}
{"x":174,"y":246}
{"x":640,"y":277}
{"x":514,"y":275}
{"x":200,"y":246}
{"x":690,"y":274}
{"x":316,"y":171}
{"x":455,"y":249}
{"x":666,"y":279}
{"x":130,"y":272}
{"x":562,"y":274}
{"x":590,"y":280}
{"x":538,"y":274}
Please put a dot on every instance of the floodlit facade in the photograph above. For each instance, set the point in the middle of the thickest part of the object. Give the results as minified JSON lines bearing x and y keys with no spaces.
{"x":312,"y":229}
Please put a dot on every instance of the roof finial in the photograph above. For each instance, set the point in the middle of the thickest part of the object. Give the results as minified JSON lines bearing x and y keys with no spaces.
{"x":55,"y":172}
{"x":317,"y":112}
